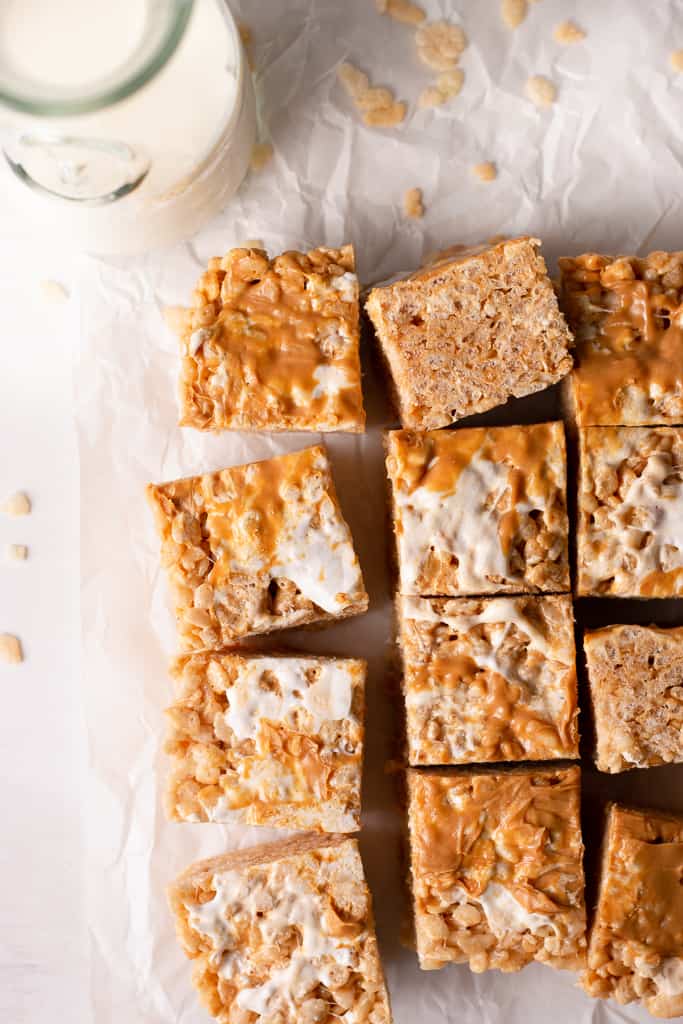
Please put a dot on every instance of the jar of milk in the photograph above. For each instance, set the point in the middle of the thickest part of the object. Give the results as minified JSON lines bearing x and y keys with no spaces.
{"x":125,"y":125}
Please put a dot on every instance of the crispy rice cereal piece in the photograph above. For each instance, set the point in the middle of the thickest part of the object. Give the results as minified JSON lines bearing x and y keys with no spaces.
{"x":488,"y":679}
{"x":513,"y":12}
{"x":468,"y":331}
{"x":486,"y":171}
{"x":479,"y":510}
{"x":257,"y":548}
{"x":431,"y":97}
{"x":403,"y":11}
{"x":18,"y":504}
{"x":630,"y":512}
{"x":676,"y":60}
{"x":627,"y":317}
{"x":449,"y":83}
{"x":261,"y":739}
{"x":17,"y":552}
{"x":568,"y":32}
{"x":385,"y":117}
{"x":412,"y":203}
{"x":10,"y":649}
{"x":284,"y":933}
{"x":636,"y":687}
{"x":635,"y":949}
{"x":439,"y":44}
{"x":378,"y":106}
{"x":496,"y":865}
{"x":541,"y":91}
{"x":273,"y":344}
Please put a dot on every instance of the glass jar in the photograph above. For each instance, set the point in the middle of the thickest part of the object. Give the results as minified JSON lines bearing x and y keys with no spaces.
{"x":127,"y":124}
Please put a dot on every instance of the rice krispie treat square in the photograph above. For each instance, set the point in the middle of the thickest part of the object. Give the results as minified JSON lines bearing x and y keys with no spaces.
{"x":257,"y":548}
{"x":496,"y":867}
{"x":479,"y":510}
{"x":261,"y":739}
{"x":626,"y":317}
{"x":635,"y":675}
{"x":488,"y":679}
{"x":273,"y":344}
{"x":630,"y":512}
{"x":468,"y":331}
{"x":284,"y":933}
{"x":635,"y":948}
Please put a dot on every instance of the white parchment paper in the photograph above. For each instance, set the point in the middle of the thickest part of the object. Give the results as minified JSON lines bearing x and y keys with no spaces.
{"x":601,"y":169}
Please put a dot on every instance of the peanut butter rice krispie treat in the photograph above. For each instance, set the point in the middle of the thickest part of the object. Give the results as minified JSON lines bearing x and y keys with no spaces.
{"x":628,"y":323}
{"x":283,"y":933}
{"x":496,"y":865}
{"x":273,"y":344}
{"x":271,"y":740}
{"x":488,"y":679}
{"x":630,"y":512}
{"x":479,"y":510}
{"x":635,"y":949}
{"x":636,"y":686}
{"x":468,"y":331}
{"x":257,"y":548}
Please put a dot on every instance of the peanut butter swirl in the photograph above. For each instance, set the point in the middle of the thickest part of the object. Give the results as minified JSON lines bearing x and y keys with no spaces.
{"x":627,"y":317}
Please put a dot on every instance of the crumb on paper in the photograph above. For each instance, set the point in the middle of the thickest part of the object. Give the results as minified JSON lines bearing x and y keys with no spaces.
{"x":450,"y":82}
{"x":18,"y":504}
{"x":261,"y":154}
{"x":431,"y":97}
{"x":513,"y":12}
{"x":541,"y":91}
{"x":377,"y":104}
{"x":485,"y":171}
{"x":412,"y":204}
{"x":53,"y":291}
{"x":10,"y":649}
{"x":568,"y":32}
{"x":676,"y":60}
{"x":17,"y":552}
{"x":439,"y":44}
{"x":402,"y":10}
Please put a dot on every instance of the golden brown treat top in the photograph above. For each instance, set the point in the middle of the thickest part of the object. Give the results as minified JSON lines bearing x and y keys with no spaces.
{"x":627,"y":316}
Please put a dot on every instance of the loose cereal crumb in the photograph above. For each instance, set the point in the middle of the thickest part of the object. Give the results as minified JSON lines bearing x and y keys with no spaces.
{"x":440,"y":44}
{"x":385,"y":117}
{"x":404,"y":11}
{"x":53,"y":291}
{"x":18,"y":504}
{"x":676,"y":60}
{"x":485,"y":171}
{"x":376,"y":98}
{"x":354,"y":80}
{"x":17,"y":552}
{"x":412,"y":204}
{"x":513,"y":12}
{"x":261,"y":154}
{"x":10,"y":649}
{"x":450,"y":82}
{"x":568,"y":32}
{"x":541,"y":91}
{"x":431,"y":97}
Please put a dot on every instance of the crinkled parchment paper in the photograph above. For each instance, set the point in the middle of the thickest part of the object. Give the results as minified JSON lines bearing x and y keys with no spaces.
{"x":602,"y":168}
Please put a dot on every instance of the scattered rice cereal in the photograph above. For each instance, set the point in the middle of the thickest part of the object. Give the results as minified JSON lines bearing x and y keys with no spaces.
{"x":676,"y":60}
{"x":379,"y":108}
{"x":567,"y":32}
{"x":385,"y":117}
{"x":513,"y":12}
{"x":412,"y":204}
{"x":261,"y":154}
{"x":431,"y":97}
{"x":450,"y":82}
{"x":17,"y":552}
{"x":10,"y":649}
{"x":485,"y":171}
{"x":440,"y":44}
{"x":541,"y":91}
{"x":18,"y":504}
{"x":402,"y":10}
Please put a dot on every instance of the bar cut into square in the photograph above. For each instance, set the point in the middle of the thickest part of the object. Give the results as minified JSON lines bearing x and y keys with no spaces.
{"x":262,"y":739}
{"x":257,"y":548}
{"x":488,"y":679}
{"x":496,"y":867}
{"x":273,"y":344}
{"x":630,"y":514}
{"x":635,"y":948}
{"x":470,"y":330}
{"x":626,"y":317}
{"x":635,"y":675}
{"x":479,"y":510}
{"x":284,"y":933}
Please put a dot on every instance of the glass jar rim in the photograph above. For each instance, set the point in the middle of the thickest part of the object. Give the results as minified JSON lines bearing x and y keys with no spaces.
{"x":163,"y":34}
